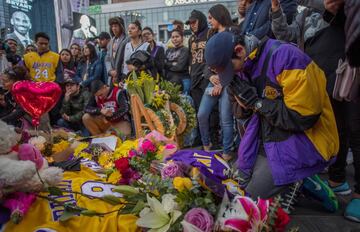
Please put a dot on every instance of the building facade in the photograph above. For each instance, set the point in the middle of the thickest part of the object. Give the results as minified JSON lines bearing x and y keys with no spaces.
{"x":157,"y":14}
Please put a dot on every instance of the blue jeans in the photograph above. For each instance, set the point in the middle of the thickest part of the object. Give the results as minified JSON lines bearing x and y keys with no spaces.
{"x":186,"y":83}
{"x":226,"y":118}
{"x":73,"y":126}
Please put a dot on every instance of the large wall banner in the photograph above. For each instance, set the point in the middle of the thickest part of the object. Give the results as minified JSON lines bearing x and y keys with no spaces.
{"x":74,"y":25}
{"x":27,"y":17}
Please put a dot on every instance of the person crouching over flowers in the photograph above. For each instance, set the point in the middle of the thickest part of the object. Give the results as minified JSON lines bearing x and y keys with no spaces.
{"x":108,"y":108}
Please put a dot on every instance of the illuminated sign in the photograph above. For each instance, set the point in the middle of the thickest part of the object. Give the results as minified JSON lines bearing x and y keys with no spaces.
{"x":185,"y":2}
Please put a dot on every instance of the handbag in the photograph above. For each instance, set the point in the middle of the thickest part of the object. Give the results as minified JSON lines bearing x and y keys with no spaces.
{"x":347,"y":83}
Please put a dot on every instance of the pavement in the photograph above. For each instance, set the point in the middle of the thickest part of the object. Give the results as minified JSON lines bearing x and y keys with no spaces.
{"x":309,"y":216}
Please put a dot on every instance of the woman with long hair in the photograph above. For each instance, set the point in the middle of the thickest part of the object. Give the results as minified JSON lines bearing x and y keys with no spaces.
{"x":135,"y":44}
{"x":90,"y":67}
{"x":177,"y":61}
{"x":76,"y":53}
{"x":67,"y":63}
{"x":220,"y":21}
{"x":157,"y":51}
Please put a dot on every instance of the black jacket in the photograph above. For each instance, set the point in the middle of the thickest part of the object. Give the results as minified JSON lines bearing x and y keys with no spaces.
{"x":177,"y":64}
{"x":352,"y":30}
{"x":197,"y":44}
{"x":14,"y":112}
{"x":326,"y":47}
{"x":158,"y":56}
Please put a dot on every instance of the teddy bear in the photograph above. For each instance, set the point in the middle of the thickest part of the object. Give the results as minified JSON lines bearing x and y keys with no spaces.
{"x":25,"y":170}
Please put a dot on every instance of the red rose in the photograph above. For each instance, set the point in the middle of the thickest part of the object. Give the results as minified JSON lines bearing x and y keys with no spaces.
{"x":122,"y":164}
{"x":282,"y":220}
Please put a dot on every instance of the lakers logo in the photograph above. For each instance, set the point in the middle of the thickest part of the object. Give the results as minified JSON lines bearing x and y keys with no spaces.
{"x":271,"y":93}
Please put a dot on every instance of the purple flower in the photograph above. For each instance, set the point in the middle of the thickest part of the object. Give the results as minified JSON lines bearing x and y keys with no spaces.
{"x":200,"y":218}
{"x":171,"y":170}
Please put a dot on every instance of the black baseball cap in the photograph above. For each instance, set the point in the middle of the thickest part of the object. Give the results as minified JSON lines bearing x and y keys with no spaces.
{"x":72,"y":80}
{"x":218,"y":55}
{"x":96,"y":85}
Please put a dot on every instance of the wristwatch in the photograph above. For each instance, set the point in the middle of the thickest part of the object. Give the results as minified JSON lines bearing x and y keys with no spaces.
{"x":258,"y":104}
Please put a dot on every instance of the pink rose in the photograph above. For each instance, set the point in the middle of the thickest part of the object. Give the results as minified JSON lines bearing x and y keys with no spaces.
{"x":200,"y":218}
{"x":171,"y":170}
{"x":132,"y":153}
{"x":148,"y":146}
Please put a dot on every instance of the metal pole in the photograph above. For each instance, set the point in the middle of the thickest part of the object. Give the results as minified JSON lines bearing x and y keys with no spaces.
{"x":58,"y":25}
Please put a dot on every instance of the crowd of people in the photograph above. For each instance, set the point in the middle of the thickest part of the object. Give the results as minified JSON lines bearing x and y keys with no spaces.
{"x":263,"y":83}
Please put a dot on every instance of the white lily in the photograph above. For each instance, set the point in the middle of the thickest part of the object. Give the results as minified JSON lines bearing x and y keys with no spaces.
{"x":156,"y":218}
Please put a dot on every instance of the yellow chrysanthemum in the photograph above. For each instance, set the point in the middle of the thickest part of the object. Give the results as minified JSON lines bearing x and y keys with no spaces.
{"x":57,"y":147}
{"x":114,"y":177}
{"x":182,"y":183}
{"x":105,"y":160}
{"x":123,"y":150}
{"x":79,"y":148}
{"x":85,"y":155}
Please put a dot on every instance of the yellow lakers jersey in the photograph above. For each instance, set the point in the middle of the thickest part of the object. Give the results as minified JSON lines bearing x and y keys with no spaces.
{"x":42,"y":67}
{"x":43,"y":215}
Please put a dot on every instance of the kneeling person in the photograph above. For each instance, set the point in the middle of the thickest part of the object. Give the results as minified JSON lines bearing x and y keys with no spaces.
{"x":108,"y":108}
{"x":73,"y":105}
{"x":291,"y":133}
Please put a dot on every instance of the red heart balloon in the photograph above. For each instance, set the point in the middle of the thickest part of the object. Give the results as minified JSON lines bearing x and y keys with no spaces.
{"x":36,"y":98}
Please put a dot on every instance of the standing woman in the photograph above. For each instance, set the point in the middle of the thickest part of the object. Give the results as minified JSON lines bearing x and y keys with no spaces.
{"x":220,"y":21}
{"x":135,"y":43}
{"x":177,"y":61}
{"x":76,"y":53}
{"x":90,"y":68}
{"x":157,"y":51}
{"x":67,"y":64}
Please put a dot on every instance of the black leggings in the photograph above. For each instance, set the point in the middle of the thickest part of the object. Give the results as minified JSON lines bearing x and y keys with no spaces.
{"x":348,"y":122}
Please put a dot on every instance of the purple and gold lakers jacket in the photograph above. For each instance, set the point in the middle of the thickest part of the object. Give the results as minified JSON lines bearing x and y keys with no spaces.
{"x":296,"y":124}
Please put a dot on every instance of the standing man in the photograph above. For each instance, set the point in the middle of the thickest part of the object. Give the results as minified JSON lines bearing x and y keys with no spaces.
{"x":43,"y":65}
{"x":115,"y":56}
{"x":104,"y":40}
{"x":22,"y":26}
{"x":197,"y":43}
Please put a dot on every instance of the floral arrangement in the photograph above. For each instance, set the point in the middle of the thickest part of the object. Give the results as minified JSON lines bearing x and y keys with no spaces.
{"x":169,"y":196}
{"x":174,"y":91}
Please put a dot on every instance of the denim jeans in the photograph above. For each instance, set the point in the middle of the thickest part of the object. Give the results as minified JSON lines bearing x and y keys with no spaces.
{"x":226,"y":118}
{"x":73,"y":126}
{"x":186,"y":83}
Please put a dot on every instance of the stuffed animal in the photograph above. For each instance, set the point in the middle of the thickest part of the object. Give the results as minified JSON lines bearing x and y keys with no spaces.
{"x":25,"y":171}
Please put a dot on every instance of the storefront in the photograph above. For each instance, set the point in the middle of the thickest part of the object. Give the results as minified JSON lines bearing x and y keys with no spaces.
{"x":157,"y":14}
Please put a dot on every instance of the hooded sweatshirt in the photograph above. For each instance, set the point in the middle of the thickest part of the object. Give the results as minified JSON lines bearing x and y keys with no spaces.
{"x":197,"y":43}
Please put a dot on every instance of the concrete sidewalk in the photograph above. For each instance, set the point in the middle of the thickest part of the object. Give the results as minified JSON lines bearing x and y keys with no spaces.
{"x":309,"y":216}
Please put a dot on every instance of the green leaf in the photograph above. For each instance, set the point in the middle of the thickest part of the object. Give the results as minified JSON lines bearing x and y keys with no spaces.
{"x":89,"y":213}
{"x":111,"y":199}
{"x":138,"y":207}
{"x":55,"y":191}
{"x":66,"y":216}
{"x":127,"y":209}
